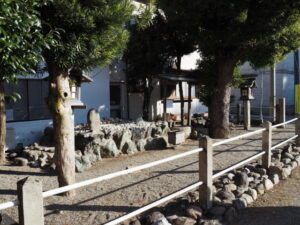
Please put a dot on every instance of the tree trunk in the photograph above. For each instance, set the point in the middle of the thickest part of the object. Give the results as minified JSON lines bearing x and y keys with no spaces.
{"x":220,"y":102}
{"x":2,"y":124}
{"x":59,"y":102}
{"x":147,"y":97}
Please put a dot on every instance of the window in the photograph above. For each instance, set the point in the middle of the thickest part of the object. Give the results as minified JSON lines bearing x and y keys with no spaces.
{"x":32,"y":105}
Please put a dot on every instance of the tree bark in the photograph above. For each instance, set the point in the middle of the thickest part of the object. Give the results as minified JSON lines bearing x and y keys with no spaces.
{"x":2,"y":124}
{"x":59,"y":102}
{"x":220,"y":101}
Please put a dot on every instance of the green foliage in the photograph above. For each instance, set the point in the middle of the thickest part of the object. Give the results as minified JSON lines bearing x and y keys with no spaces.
{"x":21,"y":40}
{"x":92,"y":33}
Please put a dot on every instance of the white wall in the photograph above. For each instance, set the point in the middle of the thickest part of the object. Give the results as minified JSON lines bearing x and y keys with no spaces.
{"x":95,"y":95}
{"x":25,"y":132}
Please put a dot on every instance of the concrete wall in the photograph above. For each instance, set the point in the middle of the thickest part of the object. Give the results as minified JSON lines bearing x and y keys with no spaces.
{"x":95,"y":95}
{"x":25,"y":132}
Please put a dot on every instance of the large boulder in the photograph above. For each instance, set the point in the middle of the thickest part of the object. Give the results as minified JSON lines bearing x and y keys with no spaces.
{"x":129,"y":148}
{"x":110,"y":149}
{"x":156,"y":143}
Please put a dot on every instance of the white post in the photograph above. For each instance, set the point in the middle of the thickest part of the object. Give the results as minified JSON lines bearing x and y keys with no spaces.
{"x":267,"y":144}
{"x":247,"y":115}
{"x":31,"y":207}
{"x":206,"y":172}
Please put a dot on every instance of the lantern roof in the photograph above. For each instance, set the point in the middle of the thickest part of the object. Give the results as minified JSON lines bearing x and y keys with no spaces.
{"x":249,"y":83}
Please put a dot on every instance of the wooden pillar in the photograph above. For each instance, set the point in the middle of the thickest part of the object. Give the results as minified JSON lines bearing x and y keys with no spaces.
{"x":238,"y":113}
{"x":165,"y":100}
{"x":247,"y":115}
{"x":297,"y":130}
{"x":281,"y":113}
{"x":206,"y":172}
{"x":189,"y":104}
{"x":267,"y":144}
{"x":31,"y":208}
{"x":181,"y":103}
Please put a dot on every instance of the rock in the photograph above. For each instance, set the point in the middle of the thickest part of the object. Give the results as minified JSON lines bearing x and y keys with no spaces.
{"x":136,"y":222}
{"x":110,"y":149}
{"x":240,"y":203}
{"x":294,"y":164}
{"x":93,"y":119}
{"x":6,"y":220}
{"x":209,"y":222}
{"x":19,"y":148}
{"x":230,"y":187}
{"x":230,"y":214}
{"x":248,"y":198}
{"x":129,"y":148}
{"x":184,"y":221}
{"x":240,"y":190}
{"x":241,"y":179}
{"x":12,"y":155}
{"x":297,"y":159}
{"x":275,"y":170}
{"x":255,"y":175}
{"x":156,"y":143}
{"x":138,"y":133}
{"x":260,"y":189}
{"x":21,"y":161}
{"x":252,"y":193}
{"x":156,"y":132}
{"x":193,"y":196}
{"x":286,"y":160}
{"x":195,"y":212}
{"x":288,"y":155}
{"x":126,"y":136}
{"x":296,"y":149}
{"x":155,"y":217}
{"x":286,"y":172}
{"x":140,"y":144}
{"x":230,"y":176}
{"x":261,"y":171}
{"x":217,"y":211}
{"x":274,"y":178}
{"x":225,"y":195}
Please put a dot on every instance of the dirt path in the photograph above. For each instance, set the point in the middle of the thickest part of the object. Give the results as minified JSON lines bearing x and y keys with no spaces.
{"x":104,"y":201}
{"x":280,"y":206}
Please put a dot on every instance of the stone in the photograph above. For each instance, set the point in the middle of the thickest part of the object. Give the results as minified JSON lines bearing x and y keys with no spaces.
{"x":129,"y":148}
{"x":274,"y":178}
{"x":230,"y":214}
{"x":286,"y":160}
{"x":21,"y":161}
{"x":156,"y":143}
{"x":93,"y":119}
{"x":194,"y":212}
{"x":165,"y":131}
{"x":261,"y":171}
{"x":225,"y":195}
{"x":12,"y":155}
{"x":126,"y":136}
{"x":255,"y":175}
{"x":297,"y":159}
{"x":286,"y":172}
{"x":240,"y":203}
{"x":260,"y":189}
{"x":156,"y":132}
{"x":230,"y":176}
{"x":135,"y":222}
{"x":176,"y":137}
{"x":248,"y":198}
{"x":294,"y":164}
{"x":110,"y":149}
{"x":140,"y":144}
{"x":210,"y":222}
{"x":288,"y":155}
{"x":217,"y":211}
{"x":252,"y":193}
{"x":275,"y":170}
{"x":296,"y":149}
{"x":240,"y":190}
{"x":184,"y":221}
{"x":241,"y":179}
{"x":154,"y":217}
{"x":230,"y":187}
{"x":138,"y":133}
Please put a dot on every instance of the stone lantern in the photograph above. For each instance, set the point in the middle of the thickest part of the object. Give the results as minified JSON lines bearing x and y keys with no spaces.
{"x":246,"y":96}
{"x":77,"y":77}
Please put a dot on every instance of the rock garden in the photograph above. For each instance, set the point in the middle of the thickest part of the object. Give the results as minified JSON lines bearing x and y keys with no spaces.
{"x":232,"y":193}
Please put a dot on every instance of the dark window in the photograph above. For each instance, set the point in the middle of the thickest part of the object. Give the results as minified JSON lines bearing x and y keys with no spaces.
{"x":32,"y":105}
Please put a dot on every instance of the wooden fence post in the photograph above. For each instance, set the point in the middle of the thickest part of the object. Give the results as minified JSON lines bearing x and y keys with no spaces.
{"x":267,"y":144}
{"x":238,"y":113}
{"x":206,"y":172}
{"x":281,"y":115}
{"x":31,"y":208}
{"x":297,"y":129}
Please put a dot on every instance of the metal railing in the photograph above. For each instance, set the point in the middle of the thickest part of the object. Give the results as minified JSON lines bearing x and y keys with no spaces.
{"x":205,"y":153}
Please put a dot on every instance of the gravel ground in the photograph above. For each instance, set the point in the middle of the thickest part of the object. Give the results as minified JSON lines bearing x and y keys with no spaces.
{"x":280,"y":206}
{"x":101,"y":202}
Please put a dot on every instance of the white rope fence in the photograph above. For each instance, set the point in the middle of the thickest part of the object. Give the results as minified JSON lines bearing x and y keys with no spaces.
{"x":158,"y":162}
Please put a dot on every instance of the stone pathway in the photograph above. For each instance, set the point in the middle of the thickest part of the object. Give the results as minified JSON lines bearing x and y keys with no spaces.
{"x":279,"y":206}
{"x":101,"y":202}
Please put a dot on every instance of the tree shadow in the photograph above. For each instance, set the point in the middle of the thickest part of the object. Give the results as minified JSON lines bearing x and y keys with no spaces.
{"x":289,"y":215}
